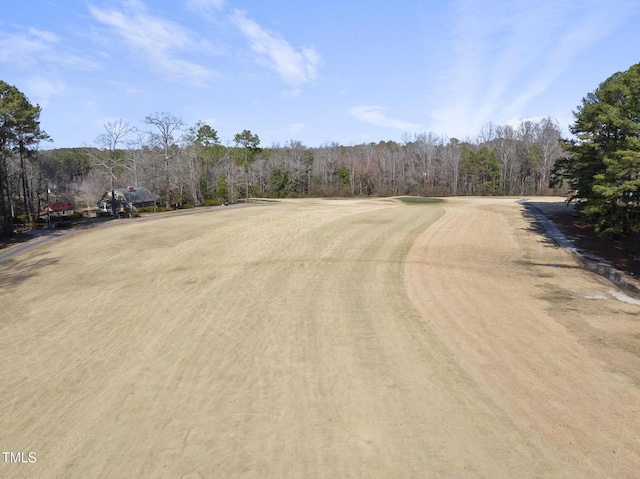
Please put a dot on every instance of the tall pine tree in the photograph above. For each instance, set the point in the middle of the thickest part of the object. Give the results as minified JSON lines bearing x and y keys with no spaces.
{"x":20,"y":134}
{"x":602,"y":166}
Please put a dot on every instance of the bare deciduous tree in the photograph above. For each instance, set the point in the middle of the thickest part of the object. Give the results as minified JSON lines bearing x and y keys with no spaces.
{"x":109,"y":157}
{"x":165,"y":138}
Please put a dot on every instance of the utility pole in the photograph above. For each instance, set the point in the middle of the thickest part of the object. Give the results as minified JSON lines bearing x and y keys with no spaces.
{"x":48,"y":208}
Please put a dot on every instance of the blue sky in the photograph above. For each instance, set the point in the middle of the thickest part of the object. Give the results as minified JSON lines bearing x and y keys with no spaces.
{"x":331,"y":71}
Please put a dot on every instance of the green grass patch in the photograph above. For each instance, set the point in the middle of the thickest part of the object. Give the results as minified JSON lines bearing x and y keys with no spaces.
{"x":415,"y":200}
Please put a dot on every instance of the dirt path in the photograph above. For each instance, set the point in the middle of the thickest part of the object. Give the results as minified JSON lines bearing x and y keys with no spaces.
{"x":300,"y":340}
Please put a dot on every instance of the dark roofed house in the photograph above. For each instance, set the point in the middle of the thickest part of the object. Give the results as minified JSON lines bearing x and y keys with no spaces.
{"x":136,"y":196}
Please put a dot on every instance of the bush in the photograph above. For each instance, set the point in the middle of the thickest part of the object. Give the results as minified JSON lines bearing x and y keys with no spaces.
{"x":71,"y":217}
{"x":37,"y":222}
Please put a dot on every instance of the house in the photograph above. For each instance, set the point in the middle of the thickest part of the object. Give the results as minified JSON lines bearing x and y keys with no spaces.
{"x":134,"y":197}
{"x":59,"y":209}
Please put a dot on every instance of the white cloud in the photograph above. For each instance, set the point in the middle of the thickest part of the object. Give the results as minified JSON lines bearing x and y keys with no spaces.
{"x":296,"y":128}
{"x":126,"y":88}
{"x":295,"y":67}
{"x":21,"y":50}
{"x":32,"y":47}
{"x":510,"y":52}
{"x":586,"y":29}
{"x":204,"y":5}
{"x":157,"y":39}
{"x":375,"y":116}
{"x":47,"y":37}
{"x":209,"y":10}
{"x":42,"y":89}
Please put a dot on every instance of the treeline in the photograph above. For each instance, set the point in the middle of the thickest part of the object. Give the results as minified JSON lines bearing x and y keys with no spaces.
{"x":192,"y":167}
{"x":599,"y":167}
{"x":189,"y":166}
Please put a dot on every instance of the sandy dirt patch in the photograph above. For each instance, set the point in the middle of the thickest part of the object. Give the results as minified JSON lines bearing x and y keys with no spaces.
{"x":550,"y":342}
{"x":349,"y":338}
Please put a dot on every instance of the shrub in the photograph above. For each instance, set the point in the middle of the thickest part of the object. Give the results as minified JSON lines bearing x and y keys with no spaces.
{"x":71,"y":217}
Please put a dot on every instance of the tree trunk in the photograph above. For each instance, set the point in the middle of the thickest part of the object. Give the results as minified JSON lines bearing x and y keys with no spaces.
{"x":7,"y":208}
{"x":26,"y":194}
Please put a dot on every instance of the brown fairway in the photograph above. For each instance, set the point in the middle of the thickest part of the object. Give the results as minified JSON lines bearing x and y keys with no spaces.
{"x":317,"y":338}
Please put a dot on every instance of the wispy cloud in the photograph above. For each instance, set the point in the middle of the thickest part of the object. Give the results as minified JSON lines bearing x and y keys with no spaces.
{"x":204,"y":5}
{"x":32,"y":47}
{"x":294,"y":66}
{"x":43,"y":89}
{"x":296,"y":128}
{"x":43,"y":58}
{"x":158,"y":40}
{"x":375,"y":116}
{"x":208,"y":9}
{"x":587,"y":27}
{"x":510,"y":52}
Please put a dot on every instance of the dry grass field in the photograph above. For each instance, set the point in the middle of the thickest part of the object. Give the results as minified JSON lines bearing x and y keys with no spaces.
{"x":317,"y":338}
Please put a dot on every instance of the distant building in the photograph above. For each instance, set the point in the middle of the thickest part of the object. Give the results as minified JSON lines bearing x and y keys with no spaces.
{"x":134,"y":197}
{"x":59,"y":209}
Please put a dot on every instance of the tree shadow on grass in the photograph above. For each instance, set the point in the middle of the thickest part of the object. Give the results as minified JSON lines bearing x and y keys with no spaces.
{"x":18,"y":238}
{"x":534,"y":226}
{"x":576,"y":227}
{"x":550,"y":265}
{"x":13,"y":273}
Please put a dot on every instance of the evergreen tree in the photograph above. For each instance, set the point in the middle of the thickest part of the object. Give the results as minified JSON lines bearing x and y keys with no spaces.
{"x":280,"y":182}
{"x":248,"y":145}
{"x":480,"y":171}
{"x":602,"y":167}
{"x":19,"y":133}
{"x":221,"y":189}
{"x":343,"y":175}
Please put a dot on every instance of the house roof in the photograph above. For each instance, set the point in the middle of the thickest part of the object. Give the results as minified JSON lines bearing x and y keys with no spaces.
{"x":65,"y":205}
{"x":135,"y":195}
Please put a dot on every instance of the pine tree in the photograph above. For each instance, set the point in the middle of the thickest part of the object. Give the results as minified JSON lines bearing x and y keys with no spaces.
{"x":602,"y":167}
{"x":19,"y":133}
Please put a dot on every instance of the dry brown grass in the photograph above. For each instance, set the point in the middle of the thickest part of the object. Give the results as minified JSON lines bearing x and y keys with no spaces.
{"x":314,"y":338}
